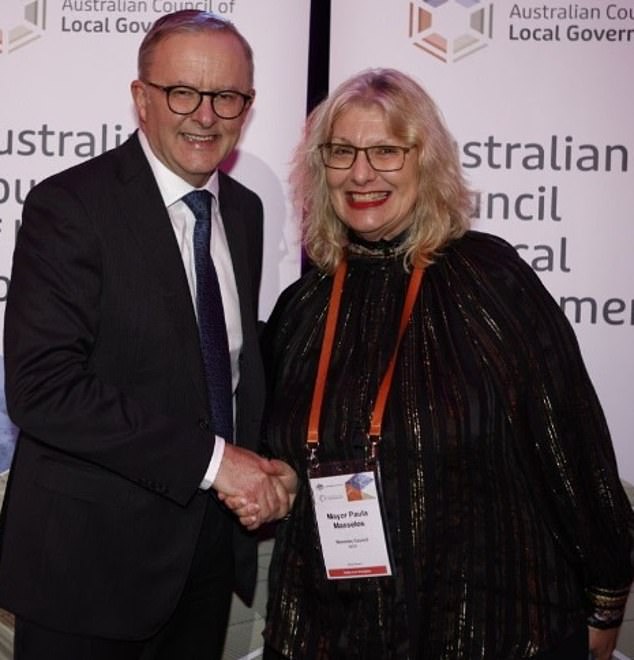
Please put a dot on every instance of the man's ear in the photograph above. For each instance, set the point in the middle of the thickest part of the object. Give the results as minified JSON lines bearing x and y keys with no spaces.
{"x":139,"y":96}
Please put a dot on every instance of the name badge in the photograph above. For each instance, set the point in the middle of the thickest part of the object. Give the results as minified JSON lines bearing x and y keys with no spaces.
{"x":347,"y":508}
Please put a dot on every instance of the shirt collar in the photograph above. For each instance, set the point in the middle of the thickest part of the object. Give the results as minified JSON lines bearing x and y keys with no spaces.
{"x":171,"y":186}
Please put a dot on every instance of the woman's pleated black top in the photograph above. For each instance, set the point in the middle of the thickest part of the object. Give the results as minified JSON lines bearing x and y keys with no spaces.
{"x":506,"y":519}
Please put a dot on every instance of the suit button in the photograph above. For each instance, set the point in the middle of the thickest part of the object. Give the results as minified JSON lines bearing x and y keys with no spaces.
{"x":203,"y":424}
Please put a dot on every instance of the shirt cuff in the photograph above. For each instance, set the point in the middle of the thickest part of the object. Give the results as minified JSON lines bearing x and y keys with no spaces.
{"x":607,"y":606}
{"x":214,"y":464}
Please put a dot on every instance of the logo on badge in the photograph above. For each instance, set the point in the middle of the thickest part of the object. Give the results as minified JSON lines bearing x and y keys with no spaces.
{"x":22,"y":22}
{"x":360,"y":487}
{"x":450,"y":29}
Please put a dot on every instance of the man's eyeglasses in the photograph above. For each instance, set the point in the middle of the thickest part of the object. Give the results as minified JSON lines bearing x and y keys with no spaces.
{"x":382,"y":157}
{"x":183,"y":100}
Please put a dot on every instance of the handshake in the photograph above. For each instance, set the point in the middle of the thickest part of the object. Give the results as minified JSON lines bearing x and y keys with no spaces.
{"x":256,"y":489}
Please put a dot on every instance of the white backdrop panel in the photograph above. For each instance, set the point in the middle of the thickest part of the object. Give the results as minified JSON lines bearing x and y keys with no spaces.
{"x":65,"y":72}
{"x":555,"y":80}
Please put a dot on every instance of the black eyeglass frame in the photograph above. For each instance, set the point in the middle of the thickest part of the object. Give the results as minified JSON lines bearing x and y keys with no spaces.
{"x":168,"y":89}
{"x":329,"y":145}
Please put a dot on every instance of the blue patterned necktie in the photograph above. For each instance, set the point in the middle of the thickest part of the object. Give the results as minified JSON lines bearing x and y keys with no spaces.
{"x":212,"y":328}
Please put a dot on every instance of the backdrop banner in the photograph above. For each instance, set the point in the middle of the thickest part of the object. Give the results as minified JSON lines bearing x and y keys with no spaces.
{"x":65,"y":73}
{"x":539,"y":97}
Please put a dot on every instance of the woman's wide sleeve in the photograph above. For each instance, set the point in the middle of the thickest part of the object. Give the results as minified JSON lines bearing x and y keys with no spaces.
{"x":572,"y":455}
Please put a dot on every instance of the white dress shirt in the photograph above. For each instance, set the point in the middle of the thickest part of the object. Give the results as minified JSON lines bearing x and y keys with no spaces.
{"x":172,"y":189}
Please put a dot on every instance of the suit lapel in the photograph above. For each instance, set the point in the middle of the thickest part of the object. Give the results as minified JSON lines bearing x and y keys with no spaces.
{"x":233,"y":221}
{"x":151,"y":227}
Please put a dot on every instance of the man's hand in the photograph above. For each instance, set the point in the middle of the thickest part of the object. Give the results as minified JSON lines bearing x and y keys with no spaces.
{"x":249,"y":509}
{"x":255,"y":489}
{"x":602,"y":642}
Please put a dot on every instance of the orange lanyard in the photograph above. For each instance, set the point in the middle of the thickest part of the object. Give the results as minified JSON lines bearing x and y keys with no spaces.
{"x":374,"y":435}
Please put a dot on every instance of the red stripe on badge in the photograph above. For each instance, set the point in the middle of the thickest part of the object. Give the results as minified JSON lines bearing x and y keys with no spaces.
{"x":357,"y":572}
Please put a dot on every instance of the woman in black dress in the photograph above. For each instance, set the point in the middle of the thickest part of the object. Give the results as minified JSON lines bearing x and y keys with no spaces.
{"x":508,"y":530}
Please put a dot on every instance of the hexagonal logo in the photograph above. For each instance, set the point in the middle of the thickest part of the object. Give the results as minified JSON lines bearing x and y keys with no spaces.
{"x":21,"y":22}
{"x":450,"y":29}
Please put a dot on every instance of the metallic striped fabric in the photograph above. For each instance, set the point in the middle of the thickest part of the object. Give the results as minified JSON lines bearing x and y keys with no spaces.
{"x":507,"y":521}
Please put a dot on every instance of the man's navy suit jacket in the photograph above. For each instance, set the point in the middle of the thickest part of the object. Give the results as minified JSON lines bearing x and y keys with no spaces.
{"x":104,"y":377}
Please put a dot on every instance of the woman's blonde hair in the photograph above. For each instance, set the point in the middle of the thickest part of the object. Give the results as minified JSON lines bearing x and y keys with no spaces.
{"x":443,"y":208}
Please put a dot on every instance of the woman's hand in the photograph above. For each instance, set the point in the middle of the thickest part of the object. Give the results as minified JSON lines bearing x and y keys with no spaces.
{"x":285,"y":473}
{"x":602,"y":642}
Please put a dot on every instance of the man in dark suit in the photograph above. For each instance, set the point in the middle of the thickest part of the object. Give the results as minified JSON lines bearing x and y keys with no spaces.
{"x":114,"y":543}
